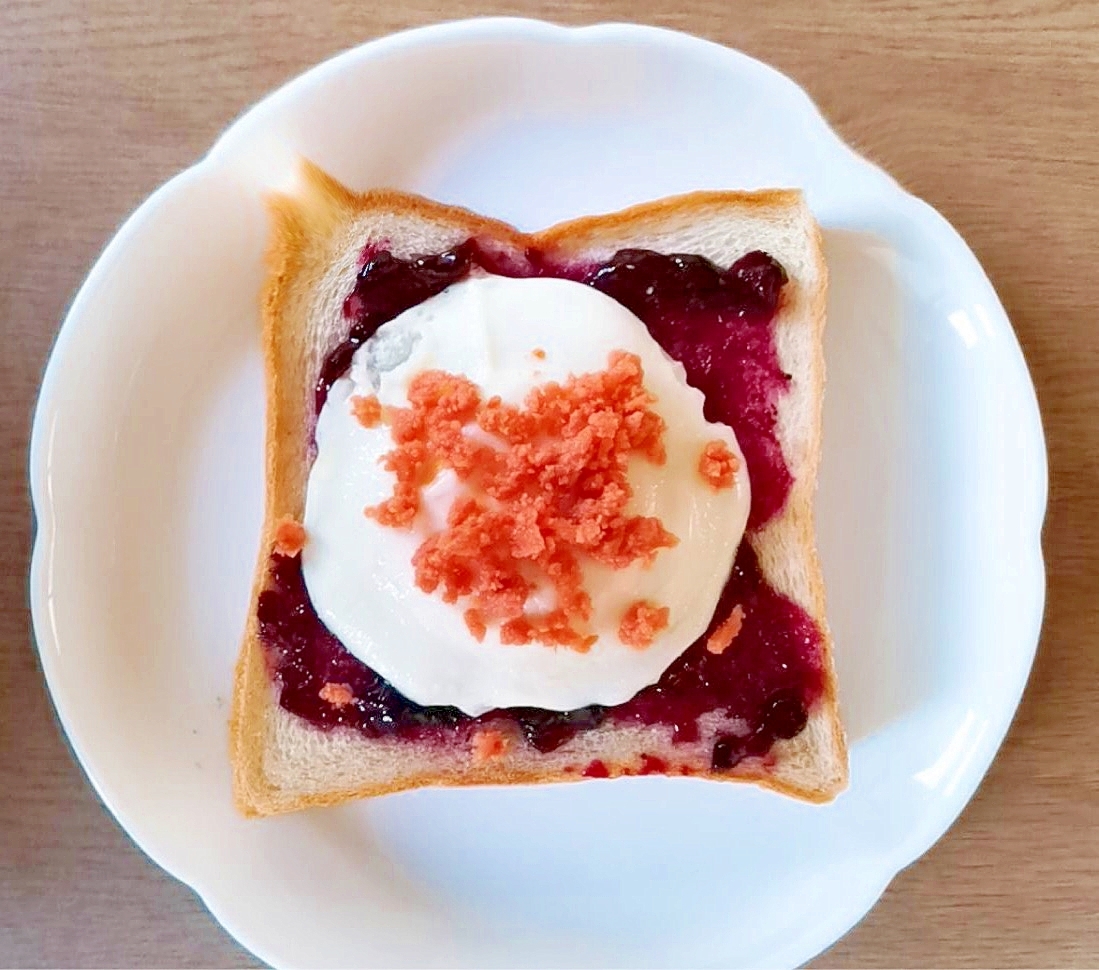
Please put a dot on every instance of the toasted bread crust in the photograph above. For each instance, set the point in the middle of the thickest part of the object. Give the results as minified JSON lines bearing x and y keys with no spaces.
{"x":313,"y":229}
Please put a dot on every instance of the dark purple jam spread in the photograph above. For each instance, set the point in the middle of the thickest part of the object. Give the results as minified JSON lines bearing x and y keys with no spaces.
{"x":387,"y":286}
{"x":718,"y":324}
{"x":769,"y":677}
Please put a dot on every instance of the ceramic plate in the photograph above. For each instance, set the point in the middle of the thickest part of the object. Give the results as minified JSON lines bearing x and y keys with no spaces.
{"x":147,"y":482}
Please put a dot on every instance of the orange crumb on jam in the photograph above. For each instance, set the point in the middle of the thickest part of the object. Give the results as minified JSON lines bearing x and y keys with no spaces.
{"x":725,"y":634}
{"x":289,"y":536}
{"x":367,"y":410}
{"x":718,"y":465}
{"x":488,"y":743}
{"x":338,"y":695}
{"x":538,"y":353}
{"x":548,"y":493}
{"x":641,"y":623}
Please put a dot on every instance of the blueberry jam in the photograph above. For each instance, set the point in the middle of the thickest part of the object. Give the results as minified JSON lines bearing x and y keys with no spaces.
{"x":768,"y":678}
{"x":718,"y":324}
{"x":387,"y":286}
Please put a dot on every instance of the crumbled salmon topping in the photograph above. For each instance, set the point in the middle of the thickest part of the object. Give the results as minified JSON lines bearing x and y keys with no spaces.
{"x":538,"y":353}
{"x":475,"y":621}
{"x":546,"y":490}
{"x":338,"y":695}
{"x":367,"y":410}
{"x":718,"y":465}
{"x":488,"y":743}
{"x":719,"y":640}
{"x":289,"y":536}
{"x":641,"y":623}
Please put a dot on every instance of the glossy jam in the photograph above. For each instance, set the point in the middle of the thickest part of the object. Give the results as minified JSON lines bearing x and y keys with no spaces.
{"x":769,"y":677}
{"x":718,"y":324}
{"x":387,"y":286}
{"x":305,"y":656}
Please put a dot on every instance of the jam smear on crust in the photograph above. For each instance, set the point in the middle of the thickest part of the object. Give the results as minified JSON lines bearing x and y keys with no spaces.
{"x":718,"y":324}
{"x":596,"y":769}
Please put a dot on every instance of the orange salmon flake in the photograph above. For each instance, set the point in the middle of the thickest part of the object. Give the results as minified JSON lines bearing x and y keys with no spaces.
{"x":367,"y":410}
{"x":338,"y":695}
{"x":538,"y":353}
{"x":399,"y":511}
{"x":289,"y":536}
{"x":476,"y":623}
{"x":641,"y":623}
{"x":724,"y":635}
{"x":550,"y":490}
{"x":488,"y":744}
{"x":718,"y":465}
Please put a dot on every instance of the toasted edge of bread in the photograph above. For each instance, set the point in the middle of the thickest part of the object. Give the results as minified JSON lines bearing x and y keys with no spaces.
{"x":282,"y":763}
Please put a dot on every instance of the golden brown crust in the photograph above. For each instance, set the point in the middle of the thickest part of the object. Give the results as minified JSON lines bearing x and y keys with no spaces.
{"x":345,"y":202}
{"x":256,"y":797}
{"x":804,"y":519}
{"x":830,"y":700}
{"x":577,"y":235}
{"x":307,"y":232}
{"x":263,"y":800}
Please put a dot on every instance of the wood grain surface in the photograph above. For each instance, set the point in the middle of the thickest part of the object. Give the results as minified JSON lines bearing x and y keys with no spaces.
{"x":989,"y":109}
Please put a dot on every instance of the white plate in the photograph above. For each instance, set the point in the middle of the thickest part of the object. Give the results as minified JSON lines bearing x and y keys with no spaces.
{"x":146,"y":476}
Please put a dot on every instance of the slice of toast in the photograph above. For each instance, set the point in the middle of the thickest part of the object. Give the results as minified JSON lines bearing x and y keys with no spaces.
{"x":281,"y":762}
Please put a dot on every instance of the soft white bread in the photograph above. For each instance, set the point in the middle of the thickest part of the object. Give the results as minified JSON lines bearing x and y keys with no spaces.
{"x":282,"y":763}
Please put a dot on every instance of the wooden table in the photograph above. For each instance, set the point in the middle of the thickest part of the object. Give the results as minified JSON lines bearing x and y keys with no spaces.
{"x":989,"y":109}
